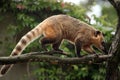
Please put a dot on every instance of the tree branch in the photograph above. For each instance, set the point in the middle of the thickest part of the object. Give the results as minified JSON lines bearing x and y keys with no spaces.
{"x":44,"y":57}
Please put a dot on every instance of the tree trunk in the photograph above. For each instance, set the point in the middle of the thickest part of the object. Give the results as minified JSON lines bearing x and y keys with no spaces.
{"x":112,"y":71}
{"x":112,"y":65}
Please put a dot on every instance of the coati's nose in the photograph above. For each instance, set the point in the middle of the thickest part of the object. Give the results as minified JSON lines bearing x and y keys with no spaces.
{"x":103,"y":43}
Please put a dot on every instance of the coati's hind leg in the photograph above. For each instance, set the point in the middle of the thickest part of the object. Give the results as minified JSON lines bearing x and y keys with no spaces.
{"x":56,"y":46}
{"x":52,"y":34}
{"x":45,"y":41}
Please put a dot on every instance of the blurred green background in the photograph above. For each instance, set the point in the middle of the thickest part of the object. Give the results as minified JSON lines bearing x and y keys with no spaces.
{"x":17,"y":17}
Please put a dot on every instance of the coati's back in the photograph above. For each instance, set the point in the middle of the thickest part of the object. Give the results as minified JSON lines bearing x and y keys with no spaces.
{"x":68,"y":26}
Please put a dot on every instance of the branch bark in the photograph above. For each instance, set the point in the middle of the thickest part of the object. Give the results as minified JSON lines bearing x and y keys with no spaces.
{"x":44,"y":57}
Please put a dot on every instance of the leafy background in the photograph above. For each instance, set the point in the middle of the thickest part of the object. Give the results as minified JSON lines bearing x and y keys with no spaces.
{"x":23,"y":15}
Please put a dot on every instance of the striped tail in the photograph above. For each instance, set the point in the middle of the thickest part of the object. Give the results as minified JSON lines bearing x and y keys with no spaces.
{"x":22,"y":44}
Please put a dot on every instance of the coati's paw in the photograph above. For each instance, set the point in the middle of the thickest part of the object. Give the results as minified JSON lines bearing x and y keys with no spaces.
{"x":97,"y":55}
{"x":59,"y":50}
{"x":80,"y":56}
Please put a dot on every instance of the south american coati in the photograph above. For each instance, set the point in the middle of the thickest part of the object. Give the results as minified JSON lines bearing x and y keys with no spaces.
{"x":56,"y":28}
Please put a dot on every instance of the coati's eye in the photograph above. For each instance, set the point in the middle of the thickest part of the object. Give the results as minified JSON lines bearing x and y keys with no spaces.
{"x":97,"y":33}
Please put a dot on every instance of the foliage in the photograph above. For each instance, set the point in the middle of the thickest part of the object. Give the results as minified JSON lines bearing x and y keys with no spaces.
{"x":112,"y":20}
{"x":29,"y":13}
{"x":55,"y":73}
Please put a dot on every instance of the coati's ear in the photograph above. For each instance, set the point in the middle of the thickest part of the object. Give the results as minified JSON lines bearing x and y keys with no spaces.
{"x":97,"y":33}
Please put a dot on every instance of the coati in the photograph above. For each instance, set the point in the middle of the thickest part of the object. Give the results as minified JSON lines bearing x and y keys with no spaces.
{"x":56,"y":28}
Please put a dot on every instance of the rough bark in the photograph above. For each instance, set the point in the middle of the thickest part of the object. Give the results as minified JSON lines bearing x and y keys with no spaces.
{"x":113,"y":72}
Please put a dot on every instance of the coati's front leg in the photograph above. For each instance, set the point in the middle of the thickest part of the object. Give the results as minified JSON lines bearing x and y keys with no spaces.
{"x":78,"y":46}
{"x":89,"y":50}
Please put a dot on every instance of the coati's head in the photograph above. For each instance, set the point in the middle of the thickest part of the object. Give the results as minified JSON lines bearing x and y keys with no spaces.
{"x":99,"y":42}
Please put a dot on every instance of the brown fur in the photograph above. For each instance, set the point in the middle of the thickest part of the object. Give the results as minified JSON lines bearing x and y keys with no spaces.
{"x":55,"y":29}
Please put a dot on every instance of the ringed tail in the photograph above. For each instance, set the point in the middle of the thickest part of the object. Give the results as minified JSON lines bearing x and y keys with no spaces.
{"x":21,"y":45}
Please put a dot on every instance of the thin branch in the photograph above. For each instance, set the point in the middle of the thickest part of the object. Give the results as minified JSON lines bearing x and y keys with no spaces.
{"x":116,"y":5}
{"x":44,"y":57}
{"x":113,"y":3}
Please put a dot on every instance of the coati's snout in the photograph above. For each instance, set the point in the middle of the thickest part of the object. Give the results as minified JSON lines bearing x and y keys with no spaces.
{"x":99,"y":41}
